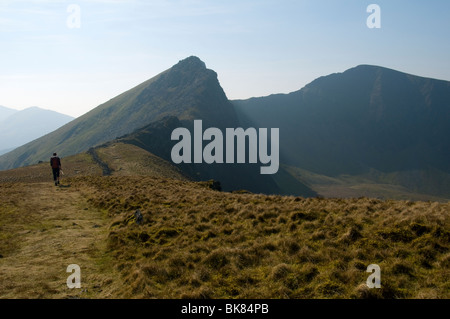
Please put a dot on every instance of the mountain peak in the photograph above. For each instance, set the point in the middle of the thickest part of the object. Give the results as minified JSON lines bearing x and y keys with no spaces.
{"x":188,"y":90}
{"x":188,"y":72}
{"x":367,"y":68}
{"x":191,"y":62}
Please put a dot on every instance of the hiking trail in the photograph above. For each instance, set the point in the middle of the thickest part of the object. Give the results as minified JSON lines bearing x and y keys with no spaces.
{"x":50,"y":228}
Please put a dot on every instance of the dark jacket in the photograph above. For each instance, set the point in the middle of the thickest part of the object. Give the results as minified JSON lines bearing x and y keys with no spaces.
{"x":55,"y":162}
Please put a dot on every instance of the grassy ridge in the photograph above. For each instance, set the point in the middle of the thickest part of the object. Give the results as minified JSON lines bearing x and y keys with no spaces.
{"x":194,"y":242}
{"x":120,"y":160}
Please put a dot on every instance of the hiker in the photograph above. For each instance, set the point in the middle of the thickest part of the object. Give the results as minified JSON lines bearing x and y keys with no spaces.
{"x":55,"y":163}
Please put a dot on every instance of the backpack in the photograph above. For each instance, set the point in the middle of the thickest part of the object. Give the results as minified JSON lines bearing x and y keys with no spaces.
{"x":54,"y":161}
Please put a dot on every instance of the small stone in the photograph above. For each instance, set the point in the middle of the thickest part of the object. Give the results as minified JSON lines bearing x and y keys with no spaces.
{"x":138,"y":216}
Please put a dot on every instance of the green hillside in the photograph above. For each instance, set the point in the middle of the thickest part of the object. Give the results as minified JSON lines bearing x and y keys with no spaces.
{"x":188,"y":90}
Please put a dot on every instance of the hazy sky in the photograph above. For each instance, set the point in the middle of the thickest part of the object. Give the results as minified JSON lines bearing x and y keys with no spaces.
{"x":257,"y":47}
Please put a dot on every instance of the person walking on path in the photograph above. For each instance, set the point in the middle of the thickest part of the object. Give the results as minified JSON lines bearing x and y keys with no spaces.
{"x":55,"y":163}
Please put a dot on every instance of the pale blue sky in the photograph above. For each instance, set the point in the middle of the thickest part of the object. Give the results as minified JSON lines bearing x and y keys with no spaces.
{"x":256,"y":47}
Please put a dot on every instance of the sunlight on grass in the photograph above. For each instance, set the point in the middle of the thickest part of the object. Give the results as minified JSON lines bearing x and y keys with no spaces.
{"x":198,"y":243}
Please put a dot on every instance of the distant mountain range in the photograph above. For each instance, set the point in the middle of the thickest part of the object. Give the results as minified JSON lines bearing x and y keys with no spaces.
{"x":20,"y":127}
{"x":5,"y":112}
{"x":369,"y":131}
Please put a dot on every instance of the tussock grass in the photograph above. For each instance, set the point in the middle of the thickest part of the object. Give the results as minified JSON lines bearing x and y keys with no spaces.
{"x":195,"y":242}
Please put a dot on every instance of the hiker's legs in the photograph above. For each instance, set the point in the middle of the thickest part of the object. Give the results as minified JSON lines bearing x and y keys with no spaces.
{"x":56,"y":176}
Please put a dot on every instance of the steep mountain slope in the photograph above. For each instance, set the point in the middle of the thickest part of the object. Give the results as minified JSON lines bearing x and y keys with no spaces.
{"x":27,"y":125}
{"x":188,"y":90}
{"x":367,"y":120}
{"x":6,"y":150}
{"x":369,"y":131}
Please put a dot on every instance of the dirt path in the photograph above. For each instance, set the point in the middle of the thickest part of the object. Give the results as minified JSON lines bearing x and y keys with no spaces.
{"x":50,"y":228}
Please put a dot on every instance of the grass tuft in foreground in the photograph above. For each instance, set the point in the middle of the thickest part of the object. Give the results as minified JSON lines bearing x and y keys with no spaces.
{"x":195,"y":242}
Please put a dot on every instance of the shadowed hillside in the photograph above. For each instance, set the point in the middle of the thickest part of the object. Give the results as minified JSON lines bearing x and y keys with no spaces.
{"x":154,"y":138}
{"x":365,"y":120}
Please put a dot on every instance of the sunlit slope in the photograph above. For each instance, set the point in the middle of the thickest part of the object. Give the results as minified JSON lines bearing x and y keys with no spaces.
{"x":111,"y":159}
{"x":188,"y":90}
{"x":194,"y":242}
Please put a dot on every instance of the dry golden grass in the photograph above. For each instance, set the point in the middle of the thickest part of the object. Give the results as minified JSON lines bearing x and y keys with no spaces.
{"x":121,"y":159}
{"x":43,"y":230}
{"x":198,"y":243}
{"x":130,"y":160}
{"x":195,"y":242}
{"x":77,"y":165}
